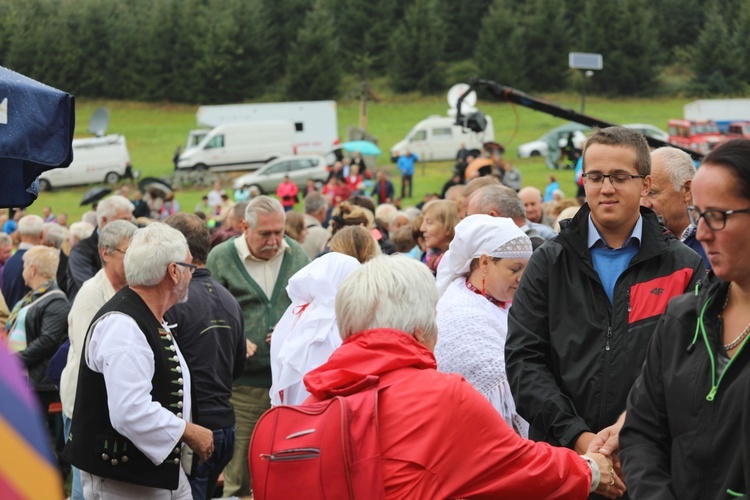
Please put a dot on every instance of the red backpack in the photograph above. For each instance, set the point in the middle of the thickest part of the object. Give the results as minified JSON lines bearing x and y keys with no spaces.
{"x":326,"y":450}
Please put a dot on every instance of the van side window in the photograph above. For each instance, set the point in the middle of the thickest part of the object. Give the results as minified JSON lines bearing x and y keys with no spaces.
{"x":419,"y":136}
{"x":216,"y":142}
{"x":442,"y":134}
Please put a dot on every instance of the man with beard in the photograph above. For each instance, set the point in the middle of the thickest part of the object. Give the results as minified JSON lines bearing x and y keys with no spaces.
{"x":133,"y":404}
{"x":255,"y":267}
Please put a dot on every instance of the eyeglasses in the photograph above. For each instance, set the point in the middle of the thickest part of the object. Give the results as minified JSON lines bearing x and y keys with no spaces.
{"x":715,"y":219}
{"x":192,"y":267}
{"x":121,"y":251}
{"x":596,"y":179}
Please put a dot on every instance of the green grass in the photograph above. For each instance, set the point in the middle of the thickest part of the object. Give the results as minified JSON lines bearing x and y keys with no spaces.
{"x":153,"y":131}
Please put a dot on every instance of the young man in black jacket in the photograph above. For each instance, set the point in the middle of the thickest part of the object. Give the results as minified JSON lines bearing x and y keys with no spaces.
{"x":589,"y":300}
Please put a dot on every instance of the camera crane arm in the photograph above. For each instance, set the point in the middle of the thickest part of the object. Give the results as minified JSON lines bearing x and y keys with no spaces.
{"x":516,"y":96}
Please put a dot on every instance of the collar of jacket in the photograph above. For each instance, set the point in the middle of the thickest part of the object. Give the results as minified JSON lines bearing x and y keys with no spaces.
{"x":574,"y":235}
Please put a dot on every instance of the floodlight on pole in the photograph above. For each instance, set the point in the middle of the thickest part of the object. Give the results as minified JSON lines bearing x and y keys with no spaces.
{"x":586,"y":62}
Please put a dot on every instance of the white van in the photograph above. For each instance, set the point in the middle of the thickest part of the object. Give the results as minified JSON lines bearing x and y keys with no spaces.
{"x":438,"y":138}
{"x":95,"y":160}
{"x":240,"y":146}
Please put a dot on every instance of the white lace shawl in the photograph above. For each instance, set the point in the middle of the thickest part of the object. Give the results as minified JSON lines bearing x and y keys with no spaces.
{"x":471,"y":342}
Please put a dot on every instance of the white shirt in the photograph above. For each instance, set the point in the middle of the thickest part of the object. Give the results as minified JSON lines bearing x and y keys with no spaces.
{"x":94,"y":293}
{"x":119,"y":351}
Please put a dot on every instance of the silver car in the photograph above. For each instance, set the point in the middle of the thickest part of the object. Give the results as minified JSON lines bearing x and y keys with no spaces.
{"x":299,"y":168}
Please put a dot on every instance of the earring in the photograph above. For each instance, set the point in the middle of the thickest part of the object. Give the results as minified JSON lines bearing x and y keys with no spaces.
{"x":484,"y":278}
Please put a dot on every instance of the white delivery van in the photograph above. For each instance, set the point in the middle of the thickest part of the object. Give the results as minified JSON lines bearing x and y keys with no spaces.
{"x":240,"y":146}
{"x":315,"y":122}
{"x":95,"y":160}
{"x":438,"y":138}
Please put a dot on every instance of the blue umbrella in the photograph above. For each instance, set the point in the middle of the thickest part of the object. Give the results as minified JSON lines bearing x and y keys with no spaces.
{"x":364,"y":147}
{"x":36,"y":135}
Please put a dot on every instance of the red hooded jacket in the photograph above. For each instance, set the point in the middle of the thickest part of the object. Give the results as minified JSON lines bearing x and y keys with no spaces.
{"x":439,"y":437}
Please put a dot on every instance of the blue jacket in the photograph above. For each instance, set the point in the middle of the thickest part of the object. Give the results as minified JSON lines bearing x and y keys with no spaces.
{"x":406,"y":163}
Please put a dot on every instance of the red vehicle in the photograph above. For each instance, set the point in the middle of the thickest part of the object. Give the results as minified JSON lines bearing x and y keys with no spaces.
{"x":739,"y":130}
{"x":701,"y":136}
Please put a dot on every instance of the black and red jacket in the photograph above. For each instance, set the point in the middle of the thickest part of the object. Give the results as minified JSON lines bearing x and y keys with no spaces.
{"x":571,"y":355}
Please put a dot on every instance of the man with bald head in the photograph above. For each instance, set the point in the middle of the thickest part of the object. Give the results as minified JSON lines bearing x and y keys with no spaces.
{"x":532,"y":202}
{"x":672,"y":172}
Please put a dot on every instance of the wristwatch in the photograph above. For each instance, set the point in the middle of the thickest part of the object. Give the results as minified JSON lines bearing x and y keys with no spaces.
{"x":596,"y":475}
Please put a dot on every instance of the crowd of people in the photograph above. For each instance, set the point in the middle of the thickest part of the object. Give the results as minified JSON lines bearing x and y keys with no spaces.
{"x":528,"y":347}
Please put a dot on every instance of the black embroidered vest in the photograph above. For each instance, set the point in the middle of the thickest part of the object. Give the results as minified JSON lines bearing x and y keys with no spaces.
{"x":93,"y":444}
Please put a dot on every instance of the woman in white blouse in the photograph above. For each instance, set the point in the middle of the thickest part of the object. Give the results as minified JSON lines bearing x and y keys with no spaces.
{"x":477,"y":279}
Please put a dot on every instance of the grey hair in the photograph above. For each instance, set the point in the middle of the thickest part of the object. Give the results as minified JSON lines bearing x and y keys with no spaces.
{"x":46,"y":260}
{"x":388,"y":292}
{"x":261,"y":205}
{"x":54,"y":235}
{"x":30,"y":225}
{"x":384,"y":214}
{"x":115,"y":233}
{"x":678,"y":165}
{"x":398,"y":214}
{"x":501,"y":199}
{"x":315,"y":202}
{"x":5,"y":240}
{"x":90,"y":217}
{"x":151,"y":251}
{"x":109,"y":207}
{"x":81,"y":230}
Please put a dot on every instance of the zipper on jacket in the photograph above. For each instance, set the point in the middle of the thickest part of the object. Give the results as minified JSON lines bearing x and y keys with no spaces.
{"x":627,"y":296}
{"x":715,"y":384}
{"x":609,"y":336}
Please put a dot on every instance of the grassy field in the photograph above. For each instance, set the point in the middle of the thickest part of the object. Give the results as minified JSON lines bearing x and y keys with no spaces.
{"x":153,"y":131}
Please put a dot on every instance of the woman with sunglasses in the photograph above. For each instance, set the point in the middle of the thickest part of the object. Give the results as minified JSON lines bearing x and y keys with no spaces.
{"x":681,"y":437}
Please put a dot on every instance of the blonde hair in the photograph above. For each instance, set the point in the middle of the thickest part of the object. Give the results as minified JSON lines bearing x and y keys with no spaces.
{"x":444,"y":212}
{"x":356,"y":242}
{"x":45,"y":259}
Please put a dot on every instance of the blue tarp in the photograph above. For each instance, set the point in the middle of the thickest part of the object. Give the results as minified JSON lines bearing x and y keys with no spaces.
{"x":36,"y":135}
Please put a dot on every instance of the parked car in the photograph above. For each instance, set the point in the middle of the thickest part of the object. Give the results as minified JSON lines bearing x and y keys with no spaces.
{"x":299,"y":168}
{"x":649,"y":130}
{"x":539,"y":147}
{"x":739,"y":130}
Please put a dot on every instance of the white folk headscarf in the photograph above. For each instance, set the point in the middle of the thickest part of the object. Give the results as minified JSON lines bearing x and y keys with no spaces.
{"x":477,"y":235}
{"x":307,"y":334}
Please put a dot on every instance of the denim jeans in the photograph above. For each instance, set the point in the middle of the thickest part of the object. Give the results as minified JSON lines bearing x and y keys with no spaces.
{"x":204,"y":478}
{"x":77,"y":489}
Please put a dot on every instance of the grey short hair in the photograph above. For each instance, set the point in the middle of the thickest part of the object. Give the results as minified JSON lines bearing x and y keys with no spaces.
{"x":54,"y":235}
{"x":384,"y":214}
{"x":261,"y":205}
{"x":115,"y":233}
{"x":678,"y":165}
{"x":315,"y":202}
{"x":109,"y":207}
{"x":5,"y":240}
{"x":90,"y":217}
{"x":81,"y":230}
{"x":388,"y":292}
{"x":30,"y":225}
{"x":46,"y":260}
{"x":151,"y":251}
{"x":501,"y":199}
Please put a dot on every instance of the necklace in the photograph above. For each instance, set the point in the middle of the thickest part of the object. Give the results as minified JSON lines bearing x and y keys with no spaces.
{"x":737,"y":341}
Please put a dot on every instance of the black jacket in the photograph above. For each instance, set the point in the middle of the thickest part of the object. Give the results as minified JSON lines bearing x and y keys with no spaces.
{"x":210,"y":332}
{"x":571,"y":355}
{"x":676,"y":444}
{"x":46,"y":329}
{"x":83,"y":263}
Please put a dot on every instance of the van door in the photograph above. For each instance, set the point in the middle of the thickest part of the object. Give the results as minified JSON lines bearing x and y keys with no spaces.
{"x":418,"y":145}
{"x":215,"y":153}
{"x":443,"y":143}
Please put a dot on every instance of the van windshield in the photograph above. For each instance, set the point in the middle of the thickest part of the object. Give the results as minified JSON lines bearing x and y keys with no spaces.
{"x":196,"y":138}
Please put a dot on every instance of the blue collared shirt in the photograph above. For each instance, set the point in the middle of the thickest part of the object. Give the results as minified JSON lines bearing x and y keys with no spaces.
{"x":610,"y":262}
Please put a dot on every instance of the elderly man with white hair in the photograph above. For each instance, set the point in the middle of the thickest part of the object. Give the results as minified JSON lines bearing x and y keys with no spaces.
{"x":438,"y":437}
{"x":114,"y":241}
{"x":84,"y":261}
{"x":672,"y":172}
{"x":255,"y":267}
{"x":14,"y":288}
{"x":133,"y":403}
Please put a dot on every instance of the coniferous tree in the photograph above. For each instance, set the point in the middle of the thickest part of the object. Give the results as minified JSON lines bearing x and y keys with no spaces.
{"x":313,"y":69}
{"x":546,"y":46}
{"x":416,"y":50}
{"x":714,"y":58}
{"x":741,"y":43}
{"x":499,"y":54}
{"x":461,"y":25}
